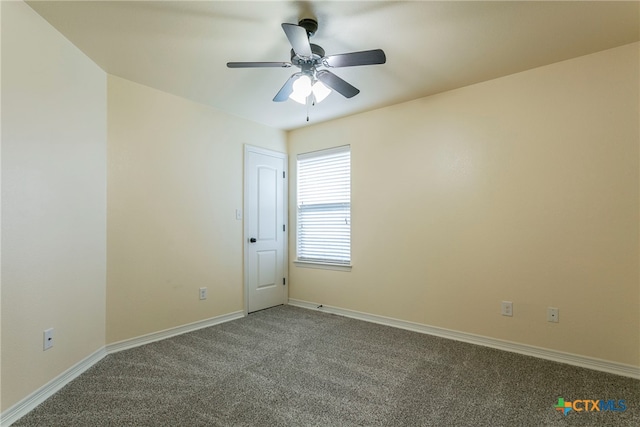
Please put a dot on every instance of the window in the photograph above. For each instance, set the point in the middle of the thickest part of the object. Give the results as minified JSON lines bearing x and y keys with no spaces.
{"x":324,"y":206}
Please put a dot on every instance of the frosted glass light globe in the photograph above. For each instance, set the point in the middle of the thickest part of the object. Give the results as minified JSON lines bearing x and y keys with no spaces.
{"x":320,"y":91}
{"x":301,"y":89}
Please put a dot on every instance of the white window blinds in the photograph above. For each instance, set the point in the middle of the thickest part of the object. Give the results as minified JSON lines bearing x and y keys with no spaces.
{"x":324,"y":206}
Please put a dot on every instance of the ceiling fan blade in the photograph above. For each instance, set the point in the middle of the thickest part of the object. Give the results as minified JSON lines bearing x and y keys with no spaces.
{"x":286,"y":90}
{"x":337,"y":84}
{"x":366,"y":57}
{"x":298,"y":38}
{"x":258,"y":64}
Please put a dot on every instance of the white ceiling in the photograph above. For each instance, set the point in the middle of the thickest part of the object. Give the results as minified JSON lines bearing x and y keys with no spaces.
{"x":182,"y":47}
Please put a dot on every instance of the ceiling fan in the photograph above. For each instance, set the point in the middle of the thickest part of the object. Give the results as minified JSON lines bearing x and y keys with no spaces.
{"x":314,"y":82}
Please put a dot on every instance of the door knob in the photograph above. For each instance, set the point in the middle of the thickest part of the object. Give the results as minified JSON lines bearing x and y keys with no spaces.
{"x":252,"y":240}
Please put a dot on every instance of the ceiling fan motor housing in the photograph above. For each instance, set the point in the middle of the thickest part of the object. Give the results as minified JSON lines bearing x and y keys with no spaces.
{"x":317,"y":53}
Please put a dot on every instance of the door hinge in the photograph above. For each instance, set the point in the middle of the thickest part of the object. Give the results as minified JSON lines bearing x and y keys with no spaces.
{"x":283,"y":227}
{"x":283,"y":174}
{"x":284,"y":281}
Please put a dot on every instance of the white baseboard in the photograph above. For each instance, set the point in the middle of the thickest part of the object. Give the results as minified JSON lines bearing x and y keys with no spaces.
{"x":528,"y":350}
{"x":171,"y":332}
{"x":27,"y":404}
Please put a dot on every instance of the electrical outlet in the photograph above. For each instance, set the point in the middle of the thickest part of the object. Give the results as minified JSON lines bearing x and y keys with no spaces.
{"x":203,"y":293}
{"x":48,"y":339}
{"x":553,"y":315}
{"x":507,"y":308}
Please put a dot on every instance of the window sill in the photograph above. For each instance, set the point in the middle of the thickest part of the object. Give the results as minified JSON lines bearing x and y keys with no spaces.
{"x":322,"y":265}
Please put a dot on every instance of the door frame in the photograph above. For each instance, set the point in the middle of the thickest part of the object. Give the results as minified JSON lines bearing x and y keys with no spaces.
{"x":245,"y":229}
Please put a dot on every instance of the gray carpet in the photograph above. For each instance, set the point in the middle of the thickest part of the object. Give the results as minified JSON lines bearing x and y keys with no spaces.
{"x":288,"y":366}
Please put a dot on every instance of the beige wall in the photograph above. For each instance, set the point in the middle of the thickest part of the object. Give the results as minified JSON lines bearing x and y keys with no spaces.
{"x":523,"y":188}
{"x":53,"y":203}
{"x":175,"y":179}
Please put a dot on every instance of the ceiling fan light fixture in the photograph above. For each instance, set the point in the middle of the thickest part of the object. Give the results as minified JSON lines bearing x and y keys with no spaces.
{"x":301,"y":89}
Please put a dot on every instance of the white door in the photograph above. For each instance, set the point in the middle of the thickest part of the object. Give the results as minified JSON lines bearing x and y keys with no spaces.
{"x":265,"y":228}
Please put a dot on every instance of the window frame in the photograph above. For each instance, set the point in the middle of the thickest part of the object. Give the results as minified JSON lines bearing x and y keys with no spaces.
{"x":318,"y":262}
